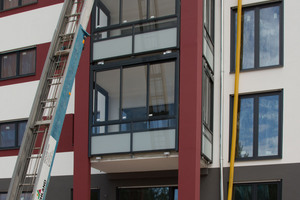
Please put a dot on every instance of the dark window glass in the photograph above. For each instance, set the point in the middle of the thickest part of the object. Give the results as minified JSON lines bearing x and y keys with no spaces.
{"x":161,"y":89}
{"x":259,"y":126}
{"x":257,"y":191}
{"x":134,"y":10}
{"x":9,"y":65}
{"x":162,"y":8}
{"x":95,"y":194}
{"x":261,"y":37}
{"x":208,"y":17}
{"x":8,"y":4}
{"x":25,"y":2}
{"x":8,"y":135}
{"x":11,"y":134}
{"x":161,"y":193}
{"x":110,"y":12}
{"x":27,"y":62}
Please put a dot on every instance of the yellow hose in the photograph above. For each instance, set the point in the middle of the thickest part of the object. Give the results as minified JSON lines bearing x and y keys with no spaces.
{"x":236,"y":97}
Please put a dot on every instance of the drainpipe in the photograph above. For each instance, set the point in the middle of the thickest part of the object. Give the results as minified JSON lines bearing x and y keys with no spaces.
{"x":221,"y":98}
{"x":236,"y":96}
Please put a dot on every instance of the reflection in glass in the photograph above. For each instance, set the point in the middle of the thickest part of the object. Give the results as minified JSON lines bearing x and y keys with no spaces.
{"x":134,"y":93}
{"x":268,"y":191}
{"x":268,"y":125}
{"x":113,"y":8}
{"x":7,"y":135}
{"x":7,"y":4}
{"x":245,"y":128}
{"x":247,"y":40}
{"x":242,"y":192}
{"x":207,"y":99}
{"x":134,"y":10}
{"x":21,"y":131}
{"x":269,"y":36}
{"x":108,"y":104}
{"x":27,"y":62}
{"x":161,"y":8}
{"x":161,"y":89}
{"x":161,"y":193}
{"x":9,"y":65}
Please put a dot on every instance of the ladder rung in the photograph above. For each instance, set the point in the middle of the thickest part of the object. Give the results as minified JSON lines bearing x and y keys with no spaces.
{"x":27,"y":184}
{"x":66,"y":35}
{"x":35,"y":157}
{"x":62,"y":52}
{"x":44,"y":122}
{"x":31,"y":175}
{"x":50,"y":100}
{"x":73,"y":15}
{"x":55,"y":83}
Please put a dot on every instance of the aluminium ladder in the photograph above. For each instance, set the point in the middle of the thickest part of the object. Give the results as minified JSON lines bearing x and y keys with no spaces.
{"x":34,"y":163}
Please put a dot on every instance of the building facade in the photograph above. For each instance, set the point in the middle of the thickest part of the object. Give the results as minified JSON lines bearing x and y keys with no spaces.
{"x":151,"y":109}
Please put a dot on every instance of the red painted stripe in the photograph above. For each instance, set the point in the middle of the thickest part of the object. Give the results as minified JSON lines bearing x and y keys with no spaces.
{"x":82,"y":166}
{"x":65,"y":143}
{"x":39,"y":4}
{"x":190,"y":100}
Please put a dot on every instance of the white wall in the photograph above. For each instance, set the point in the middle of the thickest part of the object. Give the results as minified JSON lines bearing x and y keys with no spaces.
{"x":285,"y":78}
{"x":28,"y":28}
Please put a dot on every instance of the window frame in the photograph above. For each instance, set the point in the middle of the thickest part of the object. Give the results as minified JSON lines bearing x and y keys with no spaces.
{"x":20,"y":4}
{"x":256,"y":9}
{"x":16,"y":134}
{"x":254,"y":186}
{"x":255,"y":146}
{"x":148,"y":61}
{"x":18,"y":63}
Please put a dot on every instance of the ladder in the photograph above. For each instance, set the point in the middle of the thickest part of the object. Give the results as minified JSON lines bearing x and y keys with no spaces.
{"x":34,"y":163}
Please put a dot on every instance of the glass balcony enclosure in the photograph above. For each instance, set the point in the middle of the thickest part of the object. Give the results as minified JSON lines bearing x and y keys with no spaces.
{"x":125,"y":27}
{"x":134,"y":107}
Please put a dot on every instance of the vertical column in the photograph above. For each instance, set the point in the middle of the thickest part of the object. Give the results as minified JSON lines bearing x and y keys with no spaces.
{"x":82,"y":166}
{"x":190,"y":99}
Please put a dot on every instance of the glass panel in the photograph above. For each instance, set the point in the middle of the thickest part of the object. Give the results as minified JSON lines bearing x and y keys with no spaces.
{"x":160,"y":8}
{"x":3,"y":196}
{"x":114,"y":143}
{"x":112,"y":8}
{"x":27,"y":62}
{"x":109,"y":82}
{"x":267,"y":191}
{"x":110,"y":128}
{"x":268,"y":125}
{"x":247,"y":40}
{"x":176,"y":194}
{"x":134,"y":10}
{"x":7,"y":135}
{"x":9,"y":65}
{"x":24,"y":2}
{"x":245,"y":128}
{"x":7,"y":4}
{"x":207,"y":95}
{"x":242,"y":192}
{"x":21,"y":131}
{"x":25,"y":196}
{"x":161,"y":193}
{"x":162,"y":89}
{"x":95,"y":194}
{"x":134,"y":93}
{"x":269,"y":36}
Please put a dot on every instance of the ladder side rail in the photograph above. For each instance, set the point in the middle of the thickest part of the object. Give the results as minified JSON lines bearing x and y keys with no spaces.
{"x":22,"y":162}
{"x":60,"y":110}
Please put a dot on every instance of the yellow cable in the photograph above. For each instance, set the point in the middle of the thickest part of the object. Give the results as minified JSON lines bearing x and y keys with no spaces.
{"x":236,"y":97}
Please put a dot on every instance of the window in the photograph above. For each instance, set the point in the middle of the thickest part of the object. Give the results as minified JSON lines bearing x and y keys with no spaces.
{"x":24,"y":196}
{"x":17,"y":64}
{"x":257,"y":191}
{"x":134,"y":98}
{"x":259,"y":126}
{"x":153,"y":193}
{"x":262,"y":37}
{"x":95,"y":194}
{"x":208,"y":17}
{"x":10,"y":4}
{"x":11,"y":134}
{"x":207,"y":111}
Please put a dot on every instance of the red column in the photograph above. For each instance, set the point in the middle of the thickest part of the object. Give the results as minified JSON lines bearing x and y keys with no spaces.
{"x":190,"y":99}
{"x":82,"y":166}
